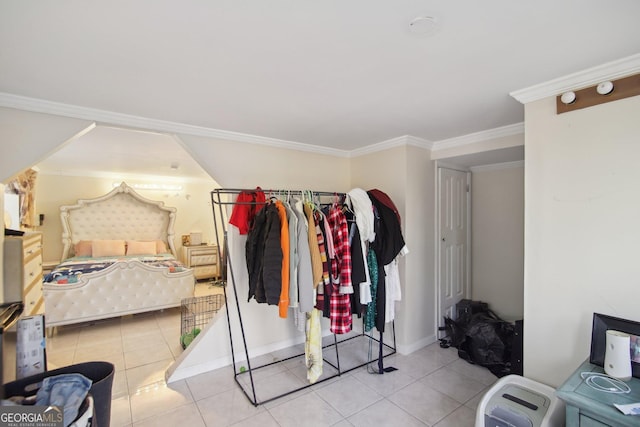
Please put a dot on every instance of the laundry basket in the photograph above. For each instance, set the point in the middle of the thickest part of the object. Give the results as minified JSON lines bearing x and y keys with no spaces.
{"x":195,"y":314}
{"x":100,"y":373}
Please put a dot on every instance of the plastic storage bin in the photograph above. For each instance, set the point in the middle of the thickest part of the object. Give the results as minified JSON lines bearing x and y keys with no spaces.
{"x":100,"y":373}
{"x":516,"y":401}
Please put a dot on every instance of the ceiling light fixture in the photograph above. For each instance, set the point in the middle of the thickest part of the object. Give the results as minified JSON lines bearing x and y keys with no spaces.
{"x":568,"y":97}
{"x":605,"y":88}
{"x":423,"y":25}
{"x":603,"y":92}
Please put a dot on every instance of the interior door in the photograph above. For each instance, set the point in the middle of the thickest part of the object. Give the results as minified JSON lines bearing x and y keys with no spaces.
{"x":453,"y":248}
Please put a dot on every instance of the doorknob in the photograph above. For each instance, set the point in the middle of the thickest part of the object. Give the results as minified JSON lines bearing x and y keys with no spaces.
{"x":443,"y":239}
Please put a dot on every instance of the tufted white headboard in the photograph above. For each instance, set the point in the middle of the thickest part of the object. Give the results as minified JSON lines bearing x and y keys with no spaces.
{"x":120,"y":214}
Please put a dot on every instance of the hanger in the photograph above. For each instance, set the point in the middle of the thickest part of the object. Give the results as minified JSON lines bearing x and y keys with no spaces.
{"x":306,"y":197}
{"x":346,"y":208}
{"x":318,"y":201}
{"x":272,"y":197}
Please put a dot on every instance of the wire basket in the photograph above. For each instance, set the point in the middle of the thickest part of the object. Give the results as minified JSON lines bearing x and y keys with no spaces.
{"x":195,"y":314}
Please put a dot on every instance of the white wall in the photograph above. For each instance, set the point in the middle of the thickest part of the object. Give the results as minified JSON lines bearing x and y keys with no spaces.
{"x":241,"y":165}
{"x":497,"y":239}
{"x":29,"y":138}
{"x":406,"y":175}
{"x":419,"y":329}
{"x":582,"y":206}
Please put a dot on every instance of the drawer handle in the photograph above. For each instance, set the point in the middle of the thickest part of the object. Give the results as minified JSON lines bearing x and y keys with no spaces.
{"x":30,"y":251}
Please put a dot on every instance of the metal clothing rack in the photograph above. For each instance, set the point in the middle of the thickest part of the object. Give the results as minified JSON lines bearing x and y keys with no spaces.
{"x":222,"y":197}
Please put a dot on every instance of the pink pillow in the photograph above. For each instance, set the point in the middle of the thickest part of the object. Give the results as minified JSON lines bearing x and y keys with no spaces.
{"x":83,"y":248}
{"x":141,"y":248}
{"x":107,"y":248}
{"x":161,"y":247}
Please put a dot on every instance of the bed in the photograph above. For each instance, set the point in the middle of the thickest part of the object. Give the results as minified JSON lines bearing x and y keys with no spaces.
{"x":109,"y":266}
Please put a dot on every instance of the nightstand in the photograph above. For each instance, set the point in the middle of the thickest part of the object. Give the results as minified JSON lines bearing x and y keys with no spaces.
{"x":587,"y":406}
{"x":203,"y":259}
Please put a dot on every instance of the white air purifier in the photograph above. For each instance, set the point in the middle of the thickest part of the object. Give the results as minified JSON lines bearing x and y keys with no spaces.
{"x":617,"y":355}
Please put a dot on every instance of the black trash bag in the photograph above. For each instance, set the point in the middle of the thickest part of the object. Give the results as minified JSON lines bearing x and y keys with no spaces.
{"x":455,"y":333}
{"x":488,"y":341}
{"x":466,"y":309}
{"x":481,"y":337}
{"x":456,"y":329}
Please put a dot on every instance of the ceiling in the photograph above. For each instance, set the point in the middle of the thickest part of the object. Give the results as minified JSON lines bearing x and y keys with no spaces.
{"x":107,"y":152}
{"x":337,"y":74}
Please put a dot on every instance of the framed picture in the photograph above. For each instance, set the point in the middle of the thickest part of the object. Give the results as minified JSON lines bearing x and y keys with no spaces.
{"x":601,"y":324}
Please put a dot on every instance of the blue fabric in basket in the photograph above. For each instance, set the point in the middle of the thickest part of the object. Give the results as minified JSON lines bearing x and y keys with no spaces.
{"x":67,"y":391}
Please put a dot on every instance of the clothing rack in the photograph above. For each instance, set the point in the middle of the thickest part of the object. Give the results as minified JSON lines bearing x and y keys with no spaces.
{"x":220,"y":199}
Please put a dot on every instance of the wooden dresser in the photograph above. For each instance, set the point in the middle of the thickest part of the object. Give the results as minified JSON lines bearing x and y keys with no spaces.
{"x":203,"y":259}
{"x":23,"y":271}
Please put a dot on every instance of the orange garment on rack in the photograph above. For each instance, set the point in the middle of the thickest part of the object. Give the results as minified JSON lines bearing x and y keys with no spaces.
{"x":283,"y":305}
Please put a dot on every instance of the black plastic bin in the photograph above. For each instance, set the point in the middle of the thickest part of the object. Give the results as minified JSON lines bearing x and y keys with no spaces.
{"x":100,"y":373}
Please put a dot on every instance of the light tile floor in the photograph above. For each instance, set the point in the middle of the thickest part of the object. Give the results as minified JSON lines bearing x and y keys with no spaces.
{"x":431,"y":387}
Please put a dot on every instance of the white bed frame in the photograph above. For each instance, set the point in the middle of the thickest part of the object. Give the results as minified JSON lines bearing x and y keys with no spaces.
{"x":125,"y":287}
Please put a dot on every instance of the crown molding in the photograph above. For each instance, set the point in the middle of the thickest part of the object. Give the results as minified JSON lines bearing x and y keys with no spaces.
{"x":498,"y":166}
{"x":392,"y":143}
{"x":472,"y":138}
{"x":109,"y":117}
{"x":608,"y":71}
{"x":143,"y":123}
{"x":380,"y":146}
{"x":419,"y":142}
